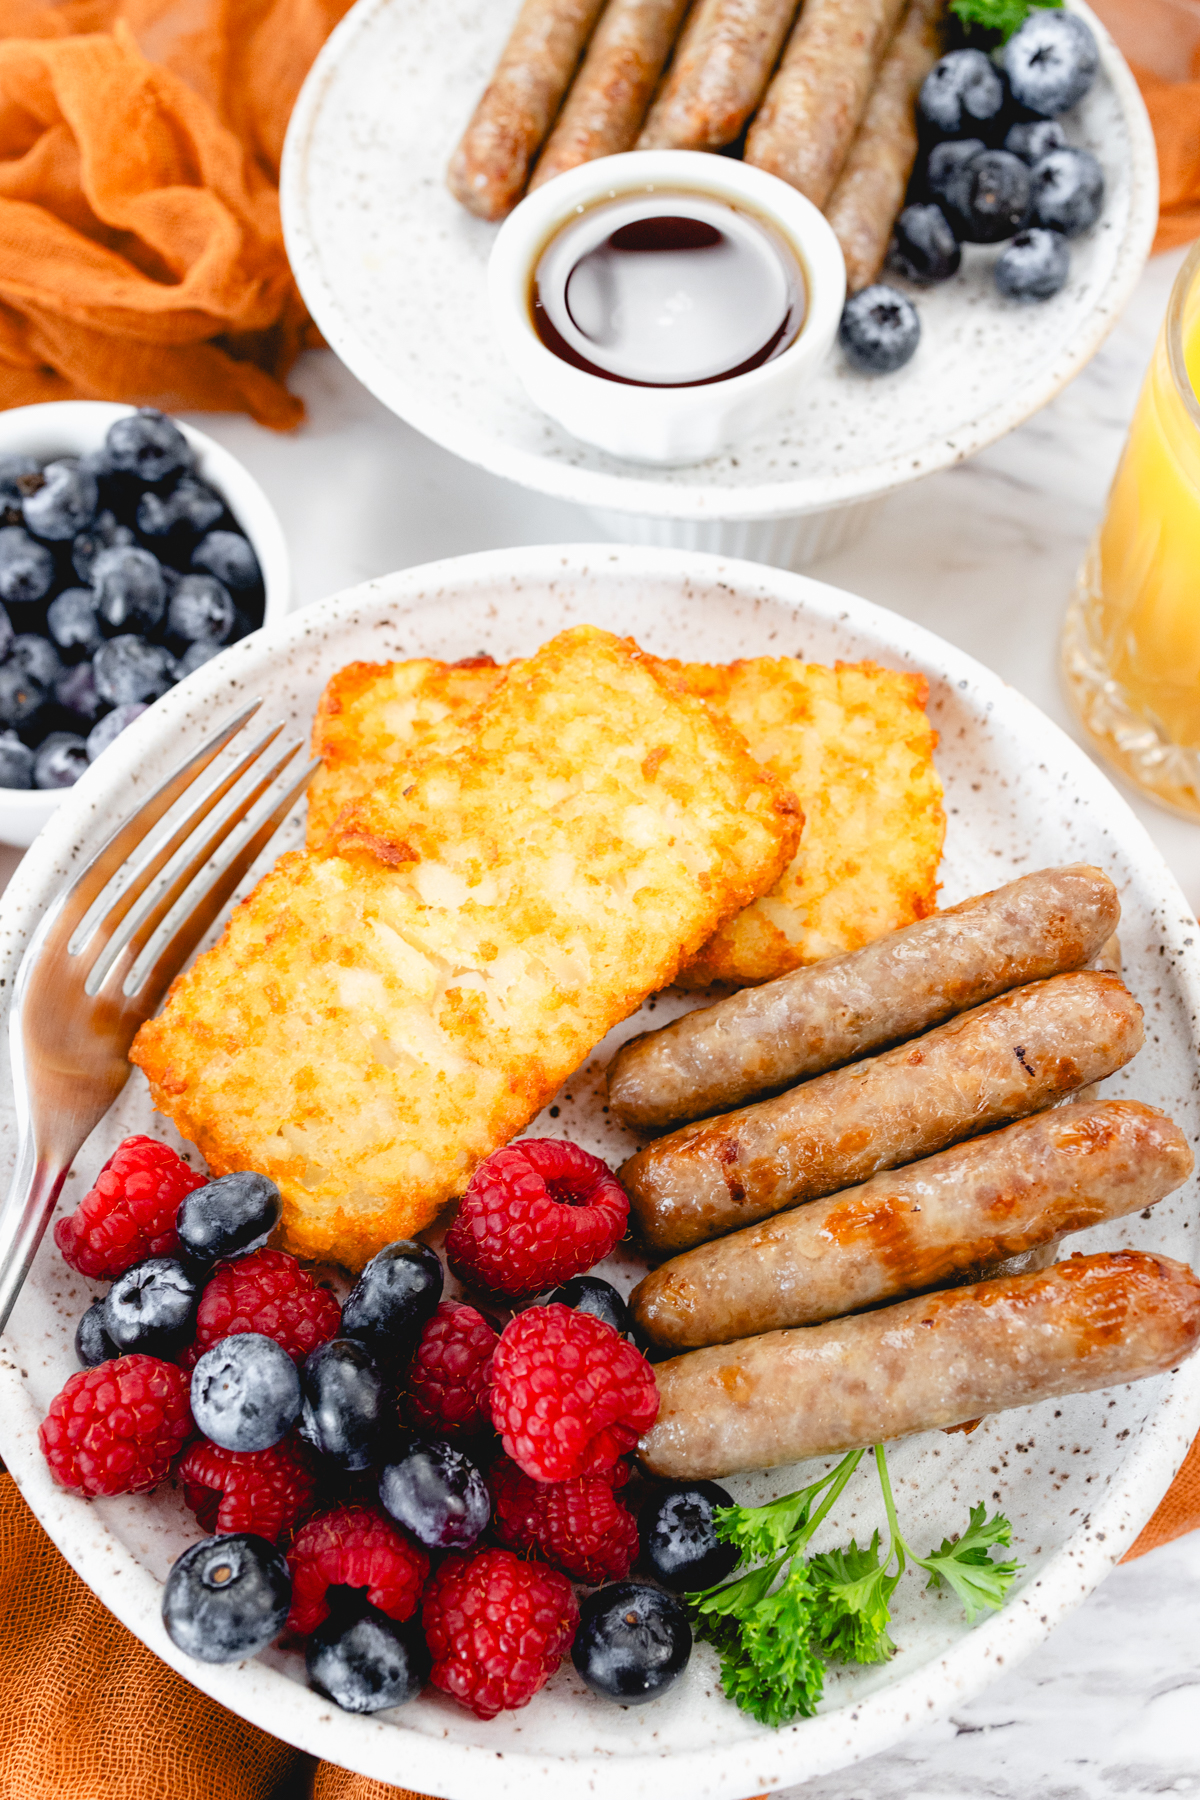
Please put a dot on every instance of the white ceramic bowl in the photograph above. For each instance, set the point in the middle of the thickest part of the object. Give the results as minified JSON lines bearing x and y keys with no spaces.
{"x":394,"y":272}
{"x":68,"y":428}
{"x":1077,"y":1477}
{"x":667,"y":425}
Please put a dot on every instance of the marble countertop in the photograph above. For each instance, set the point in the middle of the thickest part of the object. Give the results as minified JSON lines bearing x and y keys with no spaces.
{"x":985,"y":554}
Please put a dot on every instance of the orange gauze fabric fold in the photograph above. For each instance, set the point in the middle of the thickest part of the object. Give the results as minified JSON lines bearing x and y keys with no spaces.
{"x":141,"y":252}
{"x":1174,"y":108}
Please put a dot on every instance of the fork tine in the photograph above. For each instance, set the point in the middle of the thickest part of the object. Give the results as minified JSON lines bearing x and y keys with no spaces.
{"x":112,"y":855}
{"x":125,"y":914}
{"x":118,"y":956}
{"x":152,"y":985}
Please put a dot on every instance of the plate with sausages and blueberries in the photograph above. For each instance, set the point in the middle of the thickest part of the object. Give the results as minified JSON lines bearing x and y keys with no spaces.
{"x":751,"y":262}
{"x":653,"y":1249}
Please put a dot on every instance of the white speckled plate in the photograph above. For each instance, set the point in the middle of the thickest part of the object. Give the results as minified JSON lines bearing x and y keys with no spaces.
{"x":393,"y":271}
{"x":1078,"y":1478}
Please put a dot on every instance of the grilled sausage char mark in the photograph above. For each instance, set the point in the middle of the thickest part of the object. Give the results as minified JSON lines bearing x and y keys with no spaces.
{"x":941,"y":1360}
{"x":765,"y":1038}
{"x":1013,"y":1056}
{"x":947,"y":1218}
{"x":489,"y":168}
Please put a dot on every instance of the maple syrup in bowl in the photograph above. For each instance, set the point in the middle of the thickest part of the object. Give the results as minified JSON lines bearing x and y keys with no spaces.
{"x":663,"y":304}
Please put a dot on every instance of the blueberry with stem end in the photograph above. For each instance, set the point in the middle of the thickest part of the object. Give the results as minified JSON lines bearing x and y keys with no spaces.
{"x":201,"y":611}
{"x":245,"y":1392}
{"x":128,"y":668}
{"x":15,"y":470}
{"x":226,"y":1598}
{"x":633,"y":1642}
{"x":150,"y":1309}
{"x":26,"y":567}
{"x":16,"y":762}
{"x":176,"y":520}
{"x":363,"y":1661}
{"x":104,"y":533}
{"x":36,"y":657}
{"x":148,"y":445}
{"x":21,"y":698}
{"x":64,"y":504}
{"x":60,"y":760}
{"x":991,"y":197}
{"x":72,"y":623}
{"x":678,"y":1534}
{"x":1068,"y":191}
{"x":1034,"y":138}
{"x":1051,"y":62}
{"x":880,"y":330}
{"x":961,"y":92}
{"x":1034,"y":266}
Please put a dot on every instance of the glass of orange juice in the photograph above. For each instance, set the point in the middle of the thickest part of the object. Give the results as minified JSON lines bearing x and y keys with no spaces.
{"x":1131,"y":642}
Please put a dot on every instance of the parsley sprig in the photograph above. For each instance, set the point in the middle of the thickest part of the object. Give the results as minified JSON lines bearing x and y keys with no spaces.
{"x":1004,"y":16}
{"x":779,"y":1624}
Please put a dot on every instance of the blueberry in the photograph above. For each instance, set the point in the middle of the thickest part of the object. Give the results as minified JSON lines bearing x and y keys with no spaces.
{"x":60,"y":760}
{"x":924,"y":248}
{"x":21,"y":698}
{"x":588,"y":1294}
{"x":92,"y":1342}
{"x":1068,"y":191}
{"x":941,"y":172}
{"x":245,"y":1392}
{"x":1051,"y":62}
{"x":6,"y":633}
{"x":128,"y":668}
{"x":437,"y":1493}
{"x":180,"y":517}
{"x":879,"y":330}
{"x":149,"y":445}
{"x":104,"y":533}
{"x":16,"y":762}
{"x":36,"y":657}
{"x":227,"y":1597}
{"x":201,"y":611}
{"x":1034,"y":266}
{"x":26,"y":567}
{"x":151,"y":1307}
{"x":228,"y":1217}
{"x":111,"y":727}
{"x":393,"y":1297}
{"x":65,"y":503}
{"x":131,"y":594}
{"x":1035,"y":138}
{"x":195,"y":657}
{"x":679,"y":1538}
{"x":991,"y":196}
{"x":75,"y":695}
{"x":15,"y":482}
{"x":344,"y":1403}
{"x":365,"y":1661}
{"x":633,"y":1642}
{"x":229,"y":556}
{"x":72,"y":623}
{"x":960,"y":93}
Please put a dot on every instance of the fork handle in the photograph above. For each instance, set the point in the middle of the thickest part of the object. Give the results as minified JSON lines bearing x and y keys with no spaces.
{"x":24,"y":1216}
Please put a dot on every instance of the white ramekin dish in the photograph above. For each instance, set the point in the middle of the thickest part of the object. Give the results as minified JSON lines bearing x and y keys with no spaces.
{"x":70,"y":427}
{"x":667,"y":426}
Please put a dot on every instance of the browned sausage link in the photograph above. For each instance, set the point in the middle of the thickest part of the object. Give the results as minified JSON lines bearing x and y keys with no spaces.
{"x":489,"y":169}
{"x":944,"y":1219}
{"x":608,"y":99}
{"x":806,"y":124}
{"x":1014,"y":1056}
{"x":1088,"y":1322}
{"x":717,"y":76}
{"x":812,"y":1019}
{"x":871,"y":187}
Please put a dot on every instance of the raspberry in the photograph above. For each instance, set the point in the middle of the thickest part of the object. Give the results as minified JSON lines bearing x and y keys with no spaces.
{"x":569,"y":1395}
{"x":353,"y":1546}
{"x":115,"y":1429}
{"x":535,"y":1214}
{"x":270,"y":1293}
{"x":263,"y":1491}
{"x":497,"y":1628}
{"x":447,"y":1383}
{"x":130,"y":1213}
{"x":579,"y":1526}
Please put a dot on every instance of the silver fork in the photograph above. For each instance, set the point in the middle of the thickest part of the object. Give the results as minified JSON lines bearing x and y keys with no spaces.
{"x":100,"y":962}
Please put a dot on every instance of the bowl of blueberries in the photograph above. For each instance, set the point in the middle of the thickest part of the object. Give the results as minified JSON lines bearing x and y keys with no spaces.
{"x":133,"y":549}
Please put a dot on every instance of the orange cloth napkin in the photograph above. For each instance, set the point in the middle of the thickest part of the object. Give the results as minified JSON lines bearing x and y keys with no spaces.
{"x":1174,"y":108}
{"x":141,"y":252}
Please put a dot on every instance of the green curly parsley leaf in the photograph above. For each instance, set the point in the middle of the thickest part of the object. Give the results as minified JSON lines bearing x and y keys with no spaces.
{"x":1004,"y":16}
{"x":852,"y":1610}
{"x":964,"y":1564}
{"x":776,"y":1673}
{"x":769,"y":1531}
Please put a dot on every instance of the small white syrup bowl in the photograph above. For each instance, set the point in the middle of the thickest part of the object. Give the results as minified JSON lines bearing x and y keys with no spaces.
{"x":663,"y":425}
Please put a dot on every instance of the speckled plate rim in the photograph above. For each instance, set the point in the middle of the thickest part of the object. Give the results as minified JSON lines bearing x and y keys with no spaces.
{"x":641,"y":492}
{"x":832,"y":1740}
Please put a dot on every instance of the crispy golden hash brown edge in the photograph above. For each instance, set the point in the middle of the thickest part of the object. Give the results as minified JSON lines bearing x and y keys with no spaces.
{"x":855,"y":743}
{"x":382,"y":1013}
